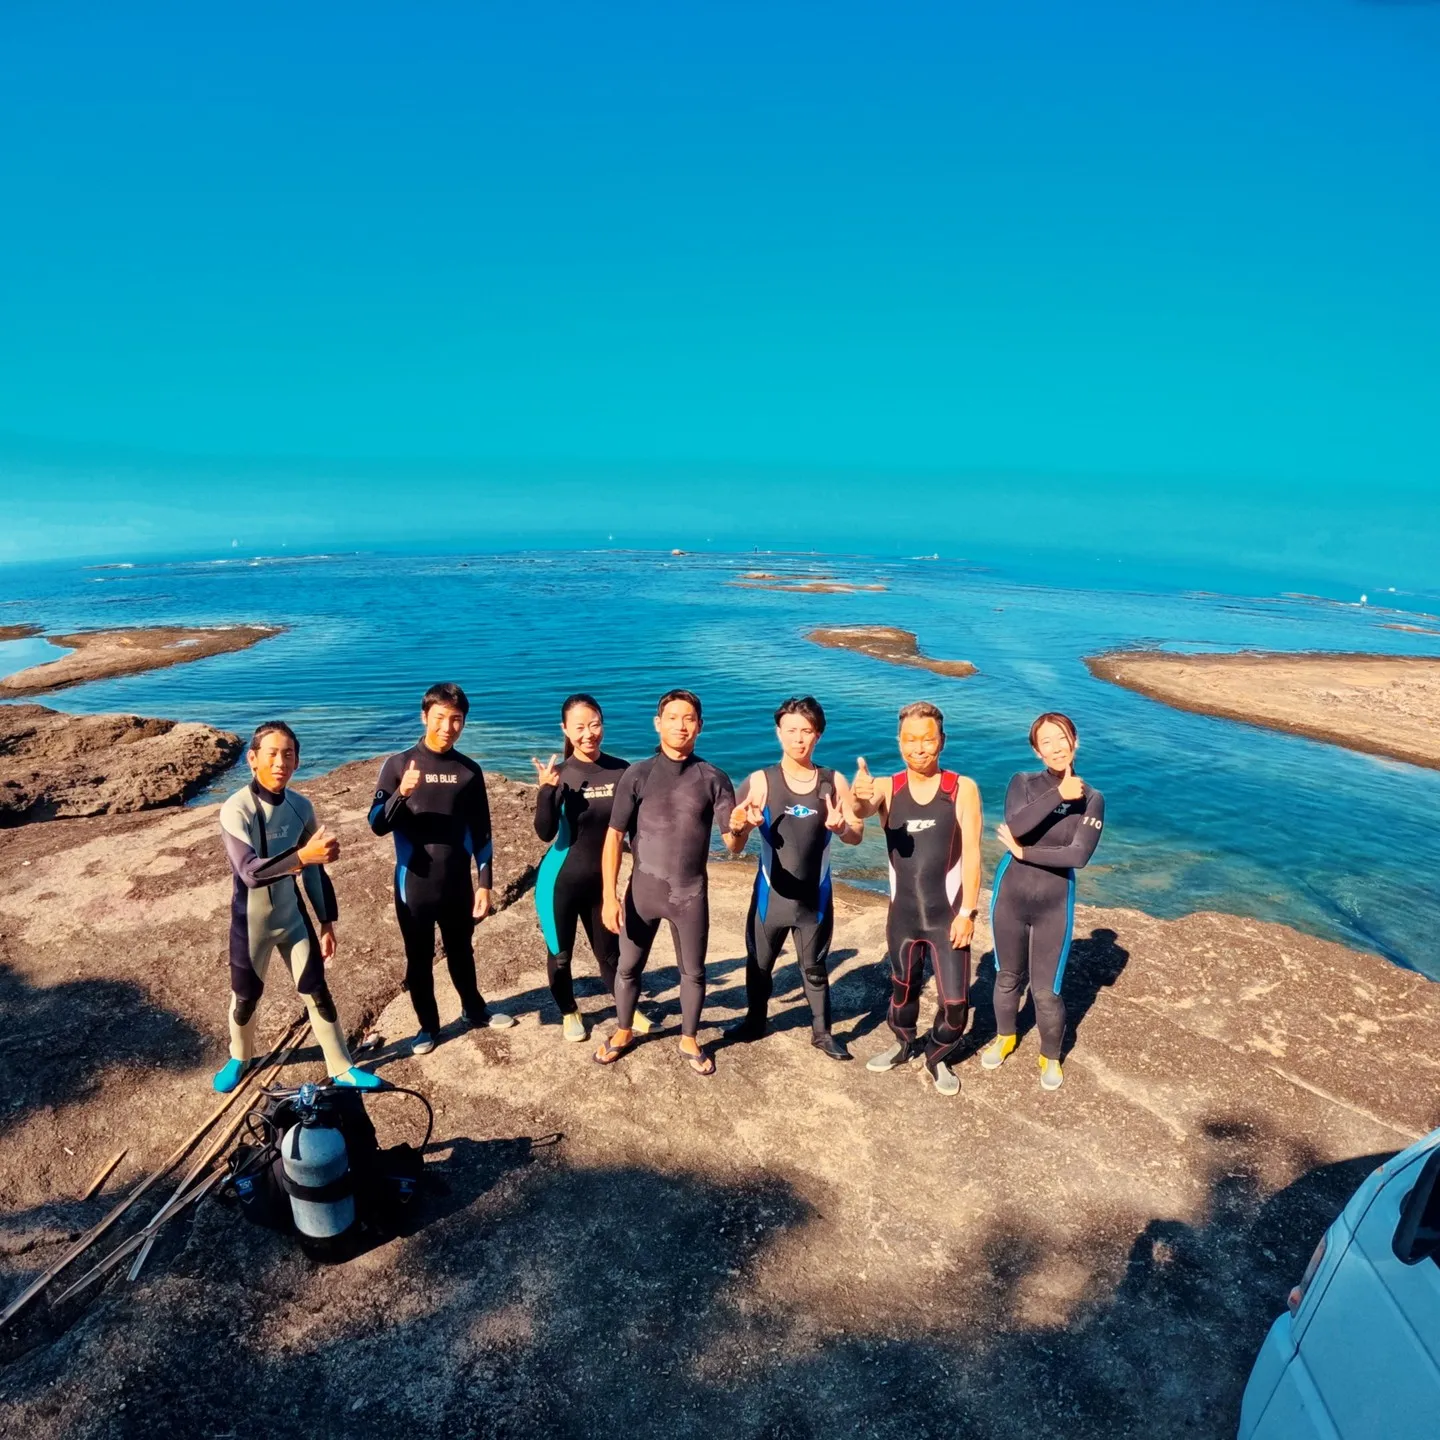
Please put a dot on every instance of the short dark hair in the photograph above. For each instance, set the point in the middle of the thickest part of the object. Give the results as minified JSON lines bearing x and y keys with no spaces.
{"x":272,"y":727}
{"x":922,"y":710}
{"x":688,"y":696}
{"x":806,"y":705}
{"x":445,"y":694}
{"x":1054,"y":717}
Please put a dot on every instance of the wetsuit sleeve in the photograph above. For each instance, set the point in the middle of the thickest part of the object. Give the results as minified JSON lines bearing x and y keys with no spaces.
{"x":388,"y":801}
{"x":1076,"y":855}
{"x":547,"y":811}
{"x":1024,"y":813}
{"x":723,"y":794}
{"x":627,"y":801}
{"x":253,"y":870}
{"x":477,"y":827}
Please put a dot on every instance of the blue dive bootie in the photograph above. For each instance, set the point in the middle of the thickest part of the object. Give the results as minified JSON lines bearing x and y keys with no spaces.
{"x":230,"y":1075}
{"x":357,"y":1079}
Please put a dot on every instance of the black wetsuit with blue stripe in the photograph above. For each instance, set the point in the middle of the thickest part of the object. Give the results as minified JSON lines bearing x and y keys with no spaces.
{"x":439,"y":831}
{"x":792,"y":895}
{"x":574,"y":815}
{"x":1032,"y":905}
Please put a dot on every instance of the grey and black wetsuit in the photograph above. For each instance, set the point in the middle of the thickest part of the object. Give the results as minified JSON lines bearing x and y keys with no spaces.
{"x":668,"y":808}
{"x":439,"y":830}
{"x":792,"y":894}
{"x":924,"y":847}
{"x":262,"y":831}
{"x":1032,"y":904}
{"x":574,"y":815}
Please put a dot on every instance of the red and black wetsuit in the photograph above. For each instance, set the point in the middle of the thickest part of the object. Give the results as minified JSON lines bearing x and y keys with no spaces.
{"x":924,"y":846}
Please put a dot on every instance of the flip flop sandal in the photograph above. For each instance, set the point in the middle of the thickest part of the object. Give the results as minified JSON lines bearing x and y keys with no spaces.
{"x":701,"y":1064}
{"x":608,"y":1054}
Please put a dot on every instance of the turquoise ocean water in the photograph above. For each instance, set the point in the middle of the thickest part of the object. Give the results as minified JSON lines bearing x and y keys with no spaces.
{"x":1202,"y":813}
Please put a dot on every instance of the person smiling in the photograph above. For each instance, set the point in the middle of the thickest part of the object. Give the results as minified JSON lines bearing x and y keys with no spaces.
{"x":277,"y":850}
{"x":932,"y":824}
{"x":433,"y":800}
{"x":797,"y":806}
{"x":667,"y":805}
{"x":572,"y":811}
{"x":1053,"y":821}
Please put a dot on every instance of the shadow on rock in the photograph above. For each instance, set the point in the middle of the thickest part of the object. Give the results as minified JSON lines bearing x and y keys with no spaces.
{"x":58,"y":1040}
{"x":545,"y":1300}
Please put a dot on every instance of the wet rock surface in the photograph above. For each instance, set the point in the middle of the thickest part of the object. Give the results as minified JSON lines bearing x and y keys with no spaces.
{"x":794,"y":1247}
{"x":104,"y":654}
{"x":55,"y":766}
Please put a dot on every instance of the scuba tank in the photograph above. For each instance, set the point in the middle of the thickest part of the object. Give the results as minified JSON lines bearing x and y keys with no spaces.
{"x":316,"y":1171}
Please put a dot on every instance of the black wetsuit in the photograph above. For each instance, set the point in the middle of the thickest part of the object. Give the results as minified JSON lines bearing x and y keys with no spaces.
{"x":439,"y":830}
{"x":667,"y":808}
{"x":575,"y":815}
{"x":792,"y":895}
{"x":1032,"y":905}
{"x":924,"y":846}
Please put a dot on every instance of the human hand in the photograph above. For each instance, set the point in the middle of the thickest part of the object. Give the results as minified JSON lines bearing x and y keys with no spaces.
{"x":1072,"y":787}
{"x":863,"y":786}
{"x":481,"y":908}
{"x":322,"y":848}
{"x":409,"y":781}
{"x":546,"y":774}
{"x":1008,"y":840}
{"x":962,"y":931}
{"x":747,"y":816}
{"x":327,"y":941}
{"x":610,"y":914}
{"x":835,"y":817}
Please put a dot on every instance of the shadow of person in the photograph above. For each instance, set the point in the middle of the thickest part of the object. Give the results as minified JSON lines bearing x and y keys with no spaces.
{"x":1094,"y":965}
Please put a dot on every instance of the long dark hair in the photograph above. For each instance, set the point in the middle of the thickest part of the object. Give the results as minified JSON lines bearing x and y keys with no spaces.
{"x":568,"y":704}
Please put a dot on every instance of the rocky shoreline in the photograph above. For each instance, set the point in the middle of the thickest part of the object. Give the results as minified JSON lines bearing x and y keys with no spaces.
{"x":888,"y":643}
{"x":791,"y":1239}
{"x":58,"y":767}
{"x":1378,"y":704}
{"x":106,"y":654}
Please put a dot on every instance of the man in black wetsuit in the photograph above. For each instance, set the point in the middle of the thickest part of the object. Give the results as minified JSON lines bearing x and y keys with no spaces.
{"x":797,"y":806}
{"x":667,"y":806}
{"x":932,"y":826}
{"x":432,"y":799}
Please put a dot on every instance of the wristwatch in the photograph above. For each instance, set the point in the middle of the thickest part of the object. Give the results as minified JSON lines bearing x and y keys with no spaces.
{"x":970,"y":914}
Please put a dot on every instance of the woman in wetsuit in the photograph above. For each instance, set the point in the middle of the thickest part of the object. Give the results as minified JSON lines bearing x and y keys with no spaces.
{"x":1053,"y":821}
{"x":572,"y":811}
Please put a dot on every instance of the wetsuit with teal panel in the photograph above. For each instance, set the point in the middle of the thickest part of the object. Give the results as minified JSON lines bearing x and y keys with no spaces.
{"x":1032,"y":904}
{"x":574,"y":815}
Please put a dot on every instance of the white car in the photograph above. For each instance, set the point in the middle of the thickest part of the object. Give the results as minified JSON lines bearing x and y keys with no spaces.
{"x":1357,"y":1354}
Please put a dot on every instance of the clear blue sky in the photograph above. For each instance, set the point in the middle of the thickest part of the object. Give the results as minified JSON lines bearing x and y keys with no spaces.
{"x":581,"y":269}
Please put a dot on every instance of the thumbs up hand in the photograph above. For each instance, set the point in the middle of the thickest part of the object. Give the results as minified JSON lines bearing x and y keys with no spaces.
{"x":1072,"y":787}
{"x":863,"y":786}
{"x":410,"y":780}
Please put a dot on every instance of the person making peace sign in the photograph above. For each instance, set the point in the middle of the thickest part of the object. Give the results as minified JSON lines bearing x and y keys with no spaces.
{"x":798,"y":807}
